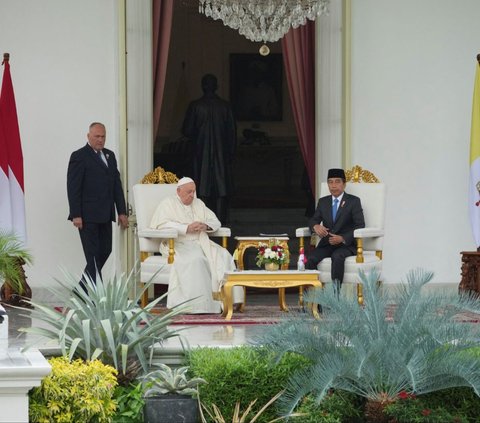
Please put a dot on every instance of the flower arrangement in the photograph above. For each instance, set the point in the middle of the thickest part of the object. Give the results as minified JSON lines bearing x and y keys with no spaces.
{"x":270,"y":253}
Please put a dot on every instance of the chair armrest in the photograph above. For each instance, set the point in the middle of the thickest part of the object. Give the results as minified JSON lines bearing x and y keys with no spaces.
{"x":158,"y":233}
{"x":368,"y":233}
{"x":221,"y":232}
{"x":305,"y":231}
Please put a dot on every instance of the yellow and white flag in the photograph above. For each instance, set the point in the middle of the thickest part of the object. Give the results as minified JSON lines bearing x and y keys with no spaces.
{"x":474,"y":188}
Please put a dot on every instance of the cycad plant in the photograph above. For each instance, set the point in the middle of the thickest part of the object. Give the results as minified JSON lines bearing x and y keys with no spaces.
{"x":12,"y":253}
{"x":103,"y":323}
{"x":406,"y":340}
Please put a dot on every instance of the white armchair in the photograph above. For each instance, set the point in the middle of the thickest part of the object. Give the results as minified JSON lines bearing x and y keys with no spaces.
{"x":156,"y":267}
{"x":372,"y":193}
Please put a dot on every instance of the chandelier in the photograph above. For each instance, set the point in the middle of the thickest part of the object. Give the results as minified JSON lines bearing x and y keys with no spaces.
{"x":263,"y":20}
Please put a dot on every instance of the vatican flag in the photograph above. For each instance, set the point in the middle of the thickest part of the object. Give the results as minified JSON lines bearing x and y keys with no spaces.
{"x":474,"y":188}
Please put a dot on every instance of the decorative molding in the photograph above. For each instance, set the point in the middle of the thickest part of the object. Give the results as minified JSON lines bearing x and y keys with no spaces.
{"x":159,"y":176}
{"x":358,"y":174}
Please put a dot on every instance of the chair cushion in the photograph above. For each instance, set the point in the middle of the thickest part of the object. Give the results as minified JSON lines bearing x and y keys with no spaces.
{"x":371,"y":261}
{"x":155,"y":267}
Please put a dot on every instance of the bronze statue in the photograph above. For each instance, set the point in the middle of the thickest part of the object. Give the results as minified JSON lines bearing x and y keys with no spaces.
{"x":209,"y":123}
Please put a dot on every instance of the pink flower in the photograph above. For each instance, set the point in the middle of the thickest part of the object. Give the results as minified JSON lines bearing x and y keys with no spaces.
{"x":426,"y":412}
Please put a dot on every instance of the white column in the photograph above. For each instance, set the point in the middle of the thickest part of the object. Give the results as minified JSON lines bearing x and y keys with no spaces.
{"x":139,"y":90}
{"x":139,"y":93}
{"x":328,"y":86}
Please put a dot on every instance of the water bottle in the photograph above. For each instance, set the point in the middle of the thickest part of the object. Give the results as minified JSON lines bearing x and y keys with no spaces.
{"x":301,"y":260}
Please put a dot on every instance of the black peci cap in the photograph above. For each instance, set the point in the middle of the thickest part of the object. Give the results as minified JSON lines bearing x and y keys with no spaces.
{"x":336,"y":173}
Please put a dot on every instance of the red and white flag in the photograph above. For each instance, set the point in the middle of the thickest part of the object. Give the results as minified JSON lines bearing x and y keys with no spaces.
{"x":12,"y":199}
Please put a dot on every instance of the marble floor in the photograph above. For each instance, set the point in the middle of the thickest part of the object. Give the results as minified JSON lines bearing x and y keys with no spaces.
{"x":217,"y":335}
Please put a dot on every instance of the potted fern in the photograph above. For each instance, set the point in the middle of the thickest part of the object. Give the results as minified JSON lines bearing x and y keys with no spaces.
{"x":13,"y":256}
{"x":170,"y":396}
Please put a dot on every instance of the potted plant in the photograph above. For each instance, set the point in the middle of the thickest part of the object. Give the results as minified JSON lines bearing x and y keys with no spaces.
{"x":272,"y":255}
{"x":170,"y":396}
{"x":12,"y":257}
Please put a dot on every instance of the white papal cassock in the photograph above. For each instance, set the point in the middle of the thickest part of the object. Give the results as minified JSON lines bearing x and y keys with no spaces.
{"x":200,"y":263}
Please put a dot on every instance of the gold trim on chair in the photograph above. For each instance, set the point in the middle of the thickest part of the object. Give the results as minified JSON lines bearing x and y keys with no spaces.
{"x":358,"y":174}
{"x":159,"y":176}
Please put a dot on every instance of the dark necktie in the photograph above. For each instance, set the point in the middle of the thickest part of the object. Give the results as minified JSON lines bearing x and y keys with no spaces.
{"x":102,"y":156}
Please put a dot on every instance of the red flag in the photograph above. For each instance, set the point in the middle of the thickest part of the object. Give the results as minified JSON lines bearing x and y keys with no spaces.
{"x":12,"y":201}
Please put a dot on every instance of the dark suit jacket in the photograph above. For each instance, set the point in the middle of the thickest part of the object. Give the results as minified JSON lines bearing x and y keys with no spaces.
{"x":94,"y":190}
{"x":349,"y":218}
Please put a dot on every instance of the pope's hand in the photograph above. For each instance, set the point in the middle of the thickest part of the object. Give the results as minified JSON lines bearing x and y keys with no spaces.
{"x":196,"y":227}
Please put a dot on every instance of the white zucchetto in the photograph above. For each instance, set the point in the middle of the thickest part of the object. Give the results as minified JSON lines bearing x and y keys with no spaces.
{"x":183,"y":181}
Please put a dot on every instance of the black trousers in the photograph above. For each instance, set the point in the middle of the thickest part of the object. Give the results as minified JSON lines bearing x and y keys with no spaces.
{"x":338,"y":255}
{"x":97,"y":245}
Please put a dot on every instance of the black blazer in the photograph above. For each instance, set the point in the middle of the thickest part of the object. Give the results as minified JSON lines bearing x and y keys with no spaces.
{"x":349,"y":218}
{"x":94,"y":189}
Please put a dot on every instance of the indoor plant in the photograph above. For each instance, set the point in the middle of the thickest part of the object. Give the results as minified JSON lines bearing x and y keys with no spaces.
{"x":170,"y":395}
{"x":272,"y":255}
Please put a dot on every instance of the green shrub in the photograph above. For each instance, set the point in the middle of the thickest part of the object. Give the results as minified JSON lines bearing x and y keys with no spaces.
{"x":241,"y":375}
{"x":75,"y":392}
{"x":336,"y":407}
{"x":462,"y":401}
{"x":130,"y":404}
{"x":411,"y":409}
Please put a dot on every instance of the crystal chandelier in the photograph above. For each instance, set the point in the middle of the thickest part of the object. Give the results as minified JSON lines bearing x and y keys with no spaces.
{"x":263,"y":20}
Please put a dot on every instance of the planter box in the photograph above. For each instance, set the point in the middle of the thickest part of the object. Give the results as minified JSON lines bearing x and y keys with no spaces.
{"x":171,"y":409}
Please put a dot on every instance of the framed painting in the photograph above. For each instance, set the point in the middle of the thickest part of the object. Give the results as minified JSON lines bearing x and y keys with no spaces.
{"x":256,"y":87}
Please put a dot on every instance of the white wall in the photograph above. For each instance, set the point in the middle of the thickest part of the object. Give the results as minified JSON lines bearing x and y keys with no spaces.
{"x":63,"y":58}
{"x":413,"y":65}
{"x":412,"y":82}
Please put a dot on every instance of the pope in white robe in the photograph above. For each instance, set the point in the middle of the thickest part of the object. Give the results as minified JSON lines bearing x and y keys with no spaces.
{"x":200,"y":264}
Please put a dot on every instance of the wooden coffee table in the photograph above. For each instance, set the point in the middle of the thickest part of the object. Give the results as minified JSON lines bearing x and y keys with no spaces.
{"x":280,"y":280}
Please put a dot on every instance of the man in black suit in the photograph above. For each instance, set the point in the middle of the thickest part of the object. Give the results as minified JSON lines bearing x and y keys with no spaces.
{"x":335,"y":218}
{"x":94,"y":191}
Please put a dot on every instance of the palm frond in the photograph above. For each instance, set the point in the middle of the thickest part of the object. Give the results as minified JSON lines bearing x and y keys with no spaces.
{"x":11,"y":251}
{"x":404,"y":339}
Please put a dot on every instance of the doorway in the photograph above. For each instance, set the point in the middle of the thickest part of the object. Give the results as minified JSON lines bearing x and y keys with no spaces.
{"x":271,"y":191}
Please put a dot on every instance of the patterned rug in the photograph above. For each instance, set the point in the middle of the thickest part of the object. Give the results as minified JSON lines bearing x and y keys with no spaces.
{"x":253,"y":315}
{"x":269,"y":314}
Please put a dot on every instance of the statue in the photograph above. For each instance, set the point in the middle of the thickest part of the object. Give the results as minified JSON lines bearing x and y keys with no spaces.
{"x":210,"y":125}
